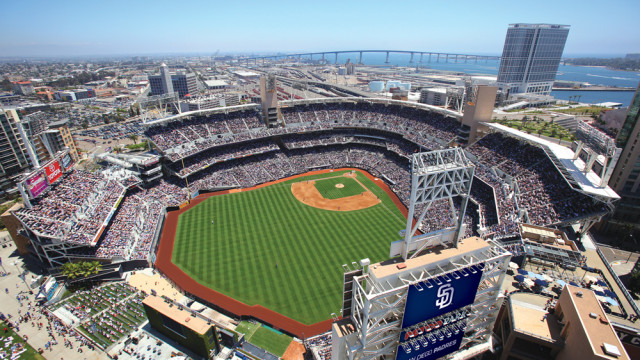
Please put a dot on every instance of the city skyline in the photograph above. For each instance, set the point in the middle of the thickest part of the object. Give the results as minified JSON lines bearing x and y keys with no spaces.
{"x":39,"y":28}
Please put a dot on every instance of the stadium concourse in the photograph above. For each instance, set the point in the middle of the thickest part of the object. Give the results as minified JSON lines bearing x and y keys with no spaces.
{"x":97,"y":215}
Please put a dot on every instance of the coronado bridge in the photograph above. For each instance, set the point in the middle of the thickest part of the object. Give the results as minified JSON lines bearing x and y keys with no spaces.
{"x":415,"y":56}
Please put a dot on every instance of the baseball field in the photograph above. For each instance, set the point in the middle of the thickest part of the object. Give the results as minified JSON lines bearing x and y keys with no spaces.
{"x":282,"y":246}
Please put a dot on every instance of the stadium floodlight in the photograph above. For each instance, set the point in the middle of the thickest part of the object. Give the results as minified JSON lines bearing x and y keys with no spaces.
{"x":435,"y":176}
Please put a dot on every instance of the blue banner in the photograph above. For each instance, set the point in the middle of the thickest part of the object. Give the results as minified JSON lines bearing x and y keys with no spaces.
{"x":416,"y":350}
{"x":442,"y":294}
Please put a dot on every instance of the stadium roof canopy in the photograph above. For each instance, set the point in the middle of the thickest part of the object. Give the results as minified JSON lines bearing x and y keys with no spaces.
{"x":589,"y":183}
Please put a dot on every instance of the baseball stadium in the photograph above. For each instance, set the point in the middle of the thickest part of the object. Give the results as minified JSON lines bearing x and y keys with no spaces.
{"x":261,"y":220}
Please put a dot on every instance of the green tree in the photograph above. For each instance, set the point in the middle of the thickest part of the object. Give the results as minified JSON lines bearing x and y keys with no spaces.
{"x":89,"y":268}
{"x":85,"y":269}
{"x":634,"y":282}
{"x":6,"y":85}
{"x":70,"y":270}
{"x":85,"y":124}
{"x":133,"y":138}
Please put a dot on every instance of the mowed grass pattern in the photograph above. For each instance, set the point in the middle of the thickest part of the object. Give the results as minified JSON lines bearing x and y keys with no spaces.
{"x":255,"y":230}
{"x":328,"y":189}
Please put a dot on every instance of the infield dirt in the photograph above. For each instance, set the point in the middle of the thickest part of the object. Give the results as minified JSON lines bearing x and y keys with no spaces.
{"x":307,"y":193}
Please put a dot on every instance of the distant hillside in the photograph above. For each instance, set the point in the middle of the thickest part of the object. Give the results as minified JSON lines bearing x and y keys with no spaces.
{"x":628,"y":63}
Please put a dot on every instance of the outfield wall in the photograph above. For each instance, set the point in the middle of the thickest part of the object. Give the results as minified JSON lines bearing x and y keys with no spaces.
{"x":156,"y":237}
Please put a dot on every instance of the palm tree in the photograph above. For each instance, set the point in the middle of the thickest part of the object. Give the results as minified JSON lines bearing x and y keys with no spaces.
{"x":83,"y":268}
{"x":133,"y":138}
{"x":70,"y":270}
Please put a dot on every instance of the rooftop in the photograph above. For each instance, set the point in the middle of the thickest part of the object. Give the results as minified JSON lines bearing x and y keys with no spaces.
{"x":386,"y":268}
{"x":539,"y":26}
{"x":216,"y":83}
{"x":531,"y":320}
{"x":182,"y":317}
{"x":244,"y":73}
{"x":599,"y":330}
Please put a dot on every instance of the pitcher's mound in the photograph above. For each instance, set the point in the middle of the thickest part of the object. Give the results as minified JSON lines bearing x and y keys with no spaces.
{"x":339,"y":186}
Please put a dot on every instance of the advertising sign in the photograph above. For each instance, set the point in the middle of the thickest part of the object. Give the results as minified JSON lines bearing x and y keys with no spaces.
{"x":36,"y":184}
{"x":425,"y":348}
{"x":66,"y":162}
{"x":442,"y":294}
{"x":53,"y":171}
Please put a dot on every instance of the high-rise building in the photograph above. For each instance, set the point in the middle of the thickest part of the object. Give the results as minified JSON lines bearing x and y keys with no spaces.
{"x":58,"y":137}
{"x":166,"y":83}
{"x":15,"y":154}
{"x":23,"y":87}
{"x":27,"y":143}
{"x":531,"y":57}
{"x":625,"y":179}
{"x":184,"y":84}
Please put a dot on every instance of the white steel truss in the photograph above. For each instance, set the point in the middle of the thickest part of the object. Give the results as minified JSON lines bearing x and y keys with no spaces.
{"x":378,"y":308}
{"x":162,"y":104}
{"x":437,"y":175}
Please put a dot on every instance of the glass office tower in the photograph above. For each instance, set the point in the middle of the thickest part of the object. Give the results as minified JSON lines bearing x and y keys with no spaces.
{"x":530,"y":58}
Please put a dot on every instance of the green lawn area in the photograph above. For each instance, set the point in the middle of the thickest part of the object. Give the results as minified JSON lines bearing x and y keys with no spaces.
{"x":583,"y":110}
{"x":328,"y":189}
{"x":539,"y":127}
{"x":30,"y":352}
{"x":138,"y":146}
{"x":247,"y":329}
{"x":255,"y":230}
{"x":270,"y":340}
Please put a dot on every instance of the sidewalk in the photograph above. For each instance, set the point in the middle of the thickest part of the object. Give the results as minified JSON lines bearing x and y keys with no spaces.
{"x":10,"y":305}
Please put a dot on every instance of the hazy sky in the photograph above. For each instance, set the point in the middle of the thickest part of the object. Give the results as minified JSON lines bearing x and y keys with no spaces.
{"x":114,"y":27}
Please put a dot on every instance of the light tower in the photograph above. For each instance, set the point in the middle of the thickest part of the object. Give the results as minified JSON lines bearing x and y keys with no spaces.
{"x":437,"y":175}
{"x":441,"y":295}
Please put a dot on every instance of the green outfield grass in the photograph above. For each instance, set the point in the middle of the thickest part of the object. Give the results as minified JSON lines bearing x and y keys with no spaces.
{"x":268,"y":339}
{"x":256,"y":230}
{"x":328,"y":189}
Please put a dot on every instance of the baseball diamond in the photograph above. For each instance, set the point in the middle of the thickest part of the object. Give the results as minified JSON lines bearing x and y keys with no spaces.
{"x":263,"y":252}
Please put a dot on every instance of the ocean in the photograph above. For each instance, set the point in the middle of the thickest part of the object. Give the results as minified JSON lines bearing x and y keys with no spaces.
{"x":592,"y":75}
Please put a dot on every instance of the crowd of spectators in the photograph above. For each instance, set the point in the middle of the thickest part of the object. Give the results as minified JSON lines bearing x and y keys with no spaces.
{"x":212,"y":156}
{"x":376,"y":159}
{"x":193,"y":135}
{"x":539,"y":188}
{"x":104,"y":314}
{"x":186,"y":137}
{"x":513,"y":181}
{"x":131,"y":231}
{"x":44,"y":320}
{"x":320,"y":344}
{"x":74,"y":208}
{"x":116,"y":323}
